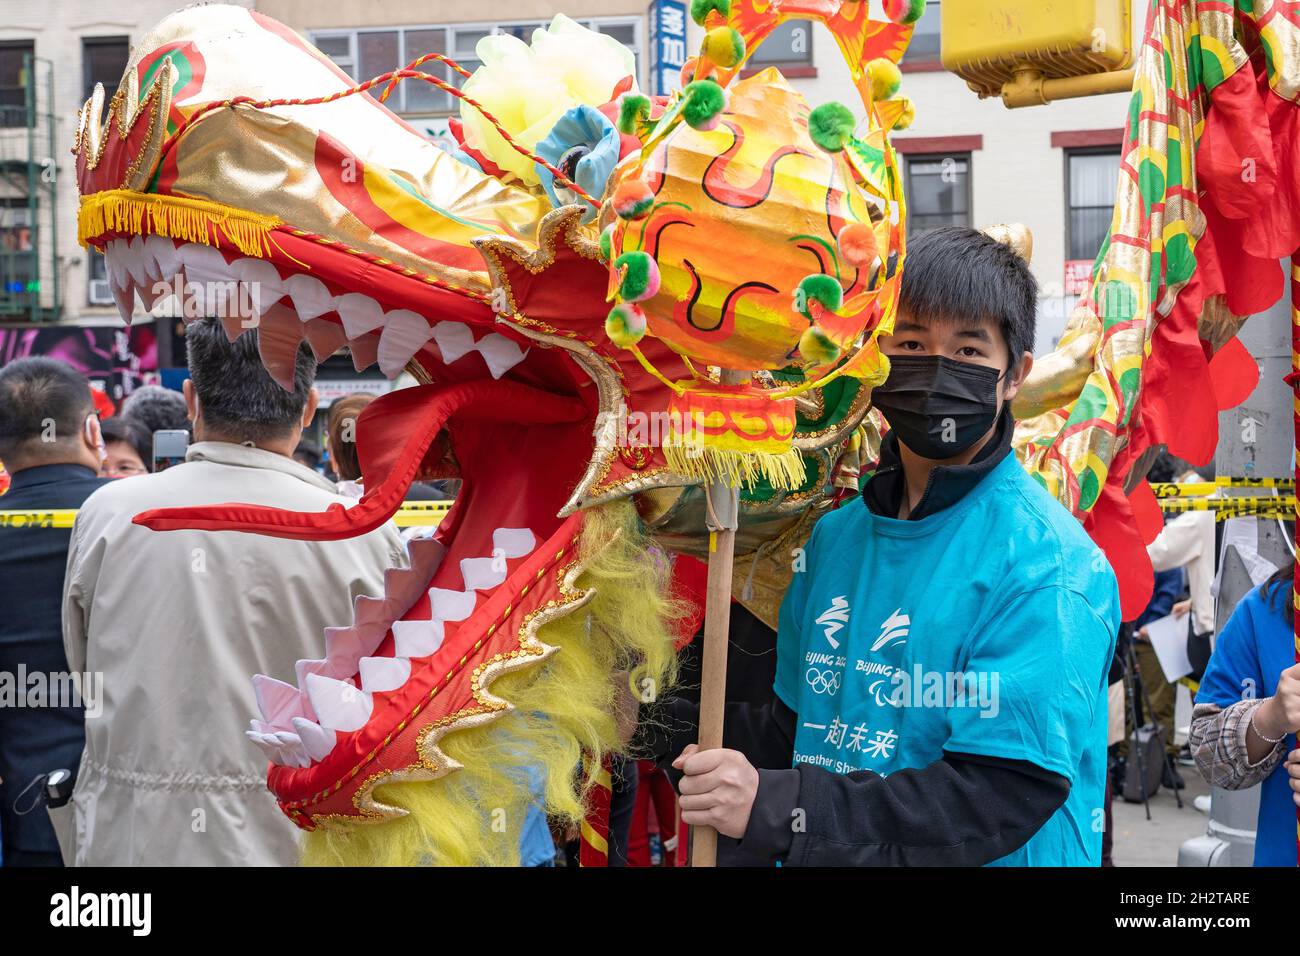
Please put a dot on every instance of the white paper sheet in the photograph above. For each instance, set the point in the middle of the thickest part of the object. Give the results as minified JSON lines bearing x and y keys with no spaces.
{"x":1168,"y":637}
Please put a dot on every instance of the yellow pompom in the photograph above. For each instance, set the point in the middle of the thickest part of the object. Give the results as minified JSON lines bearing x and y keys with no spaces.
{"x":725,"y":47}
{"x":886,"y":78}
{"x":816,"y":347}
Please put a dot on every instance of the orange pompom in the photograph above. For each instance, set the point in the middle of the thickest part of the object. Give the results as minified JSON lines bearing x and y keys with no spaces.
{"x":857,"y":244}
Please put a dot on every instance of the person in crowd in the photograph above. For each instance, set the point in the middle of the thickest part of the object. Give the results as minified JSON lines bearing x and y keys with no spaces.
{"x":179,"y":621}
{"x":308,"y":454}
{"x":157,"y":409}
{"x":51,"y":443}
{"x":341,"y":432}
{"x":1014,"y":598}
{"x":1247,"y":713}
{"x":1162,"y":695}
{"x":128,"y":448}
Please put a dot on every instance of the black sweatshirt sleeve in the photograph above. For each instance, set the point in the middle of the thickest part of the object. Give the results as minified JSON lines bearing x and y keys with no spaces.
{"x":963,"y":810}
{"x":762,"y":732}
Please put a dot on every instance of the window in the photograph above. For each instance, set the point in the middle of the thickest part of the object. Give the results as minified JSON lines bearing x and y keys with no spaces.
{"x":1090,"y":178}
{"x":925,"y":46}
{"x":938,"y":192}
{"x":103,"y":60}
{"x":790,"y":44}
{"x":363,"y":54}
{"x":15,"y":249}
{"x":13,"y":81}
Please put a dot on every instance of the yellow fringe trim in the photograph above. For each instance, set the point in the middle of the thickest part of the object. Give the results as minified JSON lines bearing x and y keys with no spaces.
{"x":176,"y":217}
{"x":781,"y":470}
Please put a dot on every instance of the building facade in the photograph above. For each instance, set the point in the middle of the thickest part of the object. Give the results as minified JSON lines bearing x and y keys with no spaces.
{"x":967,"y":161}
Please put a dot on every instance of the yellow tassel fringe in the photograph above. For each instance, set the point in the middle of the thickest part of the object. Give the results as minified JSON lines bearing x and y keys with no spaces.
{"x":176,"y":217}
{"x":783,"y":471}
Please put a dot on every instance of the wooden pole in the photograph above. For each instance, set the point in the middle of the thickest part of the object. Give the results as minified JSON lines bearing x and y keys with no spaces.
{"x":723,"y":515}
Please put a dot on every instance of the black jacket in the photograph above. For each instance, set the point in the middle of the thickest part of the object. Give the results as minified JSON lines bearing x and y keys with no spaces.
{"x":963,"y":810}
{"x":36,"y":740}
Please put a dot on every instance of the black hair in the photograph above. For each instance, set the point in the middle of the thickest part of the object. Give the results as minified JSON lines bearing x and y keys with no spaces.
{"x":236,"y":395}
{"x":157,"y":409}
{"x":128,"y":430}
{"x":1163,"y":469}
{"x":42,"y":401}
{"x":1277,"y":590}
{"x":961,"y":276}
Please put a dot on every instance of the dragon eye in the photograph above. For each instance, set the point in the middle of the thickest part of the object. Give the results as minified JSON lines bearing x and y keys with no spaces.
{"x":568,"y":165}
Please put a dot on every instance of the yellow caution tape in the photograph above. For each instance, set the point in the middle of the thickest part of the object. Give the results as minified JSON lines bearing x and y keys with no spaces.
{"x":1225,"y":508}
{"x":1172,"y":489}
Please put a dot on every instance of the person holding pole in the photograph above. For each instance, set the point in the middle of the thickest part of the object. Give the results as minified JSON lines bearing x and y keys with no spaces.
{"x":942,"y":654}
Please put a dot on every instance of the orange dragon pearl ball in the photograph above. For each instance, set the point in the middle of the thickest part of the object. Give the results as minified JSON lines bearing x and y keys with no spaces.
{"x":633,"y":199}
{"x":857,"y":243}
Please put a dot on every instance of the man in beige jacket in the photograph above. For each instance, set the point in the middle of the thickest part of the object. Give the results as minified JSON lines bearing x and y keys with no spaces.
{"x":178,"y":622}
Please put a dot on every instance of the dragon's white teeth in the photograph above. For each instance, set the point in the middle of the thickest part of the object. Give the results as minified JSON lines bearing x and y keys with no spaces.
{"x":292,"y":752}
{"x":404,"y":334}
{"x":262,"y":281}
{"x":278,"y":336}
{"x":278,"y":701}
{"x":203,"y":264}
{"x":416,"y":638}
{"x":482,"y":574}
{"x":166,"y":262}
{"x":304,"y":667}
{"x":125,"y":299}
{"x":258,"y":726}
{"x":316,"y":740}
{"x":338,"y":706}
{"x":379,"y":674}
{"x":359,"y":313}
{"x":344,"y":647}
{"x":266,"y":743}
{"x":514,"y":542}
{"x":325,"y":338}
{"x":235,"y":326}
{"x":135,"y":260}
{"x":500,"y":353}
{"x":364,"y":352}
{"x":451,"y":605}
{"x":310,"y":297}
{"x":454,"y":340}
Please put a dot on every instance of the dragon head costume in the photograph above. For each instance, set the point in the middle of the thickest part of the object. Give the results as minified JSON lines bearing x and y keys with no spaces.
{"x":607,"y":300}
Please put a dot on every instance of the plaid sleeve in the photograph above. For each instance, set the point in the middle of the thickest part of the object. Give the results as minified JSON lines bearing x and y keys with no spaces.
{"x":1218,"y":743}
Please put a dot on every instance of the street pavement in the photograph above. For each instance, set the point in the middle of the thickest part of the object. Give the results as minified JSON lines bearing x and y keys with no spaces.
{"x":1155,"y":842}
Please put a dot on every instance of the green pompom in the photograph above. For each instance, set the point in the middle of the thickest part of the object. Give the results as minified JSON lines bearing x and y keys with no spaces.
{"x":635,"y":109}
{"x":607,"y":242}
{"x":640,"y":276}
{"x":904,"y":11}
{"x":822,"y":289}
{"x":830,"y":125}
{"x":700,"y":9}
{"x":705,"y":101}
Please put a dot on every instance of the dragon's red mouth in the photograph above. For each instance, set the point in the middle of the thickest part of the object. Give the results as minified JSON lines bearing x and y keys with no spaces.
{"x":506,"y":414}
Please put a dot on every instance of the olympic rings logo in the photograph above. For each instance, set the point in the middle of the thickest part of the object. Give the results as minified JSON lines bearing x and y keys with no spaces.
{"x":823,"y":682}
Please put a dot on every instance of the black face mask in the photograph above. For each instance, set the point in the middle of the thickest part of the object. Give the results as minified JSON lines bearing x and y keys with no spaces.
{"x":939,"y":407}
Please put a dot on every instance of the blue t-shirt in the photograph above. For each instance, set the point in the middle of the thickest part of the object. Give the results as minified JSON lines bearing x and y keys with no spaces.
{"x":987,"y":628}
{"x":1250,"y":653}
